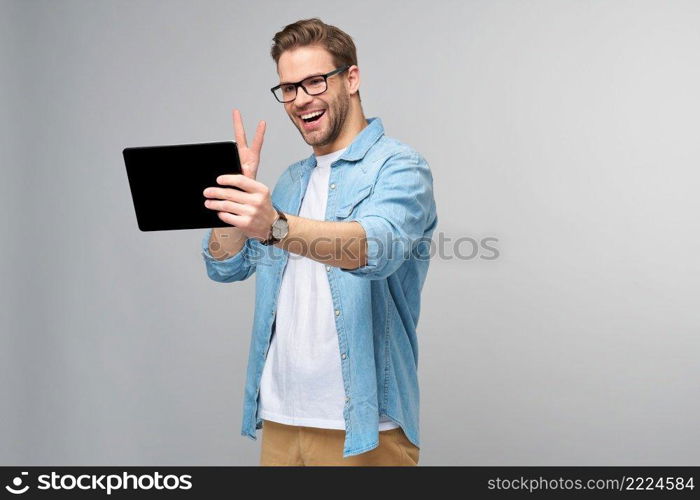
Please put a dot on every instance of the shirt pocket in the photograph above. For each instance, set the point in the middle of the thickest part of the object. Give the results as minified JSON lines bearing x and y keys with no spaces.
{"x":357,"y":196}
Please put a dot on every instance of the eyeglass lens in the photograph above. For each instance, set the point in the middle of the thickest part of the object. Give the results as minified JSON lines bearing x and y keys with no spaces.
{"x":313,"y":86}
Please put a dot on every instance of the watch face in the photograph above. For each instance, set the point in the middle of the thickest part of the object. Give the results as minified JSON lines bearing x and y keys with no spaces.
{"x":280,"y":229}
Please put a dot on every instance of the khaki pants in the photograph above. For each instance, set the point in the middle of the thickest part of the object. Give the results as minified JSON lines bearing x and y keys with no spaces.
{"x":296,"y":445}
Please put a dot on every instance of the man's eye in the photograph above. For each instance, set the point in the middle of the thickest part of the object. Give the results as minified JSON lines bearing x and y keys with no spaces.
{"x":315,"y":82}
{"x":287,"y":88}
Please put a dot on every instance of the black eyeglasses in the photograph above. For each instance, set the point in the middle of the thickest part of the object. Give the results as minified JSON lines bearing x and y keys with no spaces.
{"x":312,"y":85}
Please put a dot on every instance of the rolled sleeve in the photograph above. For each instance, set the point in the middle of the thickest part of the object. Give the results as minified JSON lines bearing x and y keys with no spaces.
{"x":396,"y":215}
{"x":236,"y":268}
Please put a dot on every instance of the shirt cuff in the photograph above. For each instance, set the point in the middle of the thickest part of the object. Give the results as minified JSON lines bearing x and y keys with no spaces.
{"x":378,"y":238}
{"x":224,"y":263}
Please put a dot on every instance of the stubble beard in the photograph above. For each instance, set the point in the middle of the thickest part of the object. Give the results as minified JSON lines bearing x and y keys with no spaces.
{"x":337,"y":118}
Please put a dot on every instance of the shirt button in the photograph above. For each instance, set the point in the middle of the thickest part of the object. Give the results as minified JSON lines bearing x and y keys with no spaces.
{"x":337,"y":312}
{"x":344,"y":356}
{"x":347,"y":398}
{"x":328,"y":268}
{"x":332,"y":186}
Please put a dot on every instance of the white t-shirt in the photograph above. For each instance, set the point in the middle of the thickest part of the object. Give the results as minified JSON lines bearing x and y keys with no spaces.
{"x":302,"y":382}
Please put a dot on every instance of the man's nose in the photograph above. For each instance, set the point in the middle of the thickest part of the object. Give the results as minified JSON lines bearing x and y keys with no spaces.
{"x":302,"y":98}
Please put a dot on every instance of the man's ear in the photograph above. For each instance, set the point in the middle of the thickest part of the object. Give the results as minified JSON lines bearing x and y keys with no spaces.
{"x":353,"y":79}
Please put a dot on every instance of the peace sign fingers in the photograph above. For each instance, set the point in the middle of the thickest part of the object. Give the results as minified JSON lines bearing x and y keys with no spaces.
{"x":249,"y":156}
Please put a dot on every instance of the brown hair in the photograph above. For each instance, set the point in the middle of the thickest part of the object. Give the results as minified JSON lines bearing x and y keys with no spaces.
{"x":313,"y":31}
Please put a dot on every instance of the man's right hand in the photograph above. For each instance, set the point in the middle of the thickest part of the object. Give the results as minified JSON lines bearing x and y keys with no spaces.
{"x":228,"y":241}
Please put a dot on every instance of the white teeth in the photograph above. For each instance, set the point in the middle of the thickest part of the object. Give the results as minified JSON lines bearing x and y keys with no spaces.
{"x":311,"y":115}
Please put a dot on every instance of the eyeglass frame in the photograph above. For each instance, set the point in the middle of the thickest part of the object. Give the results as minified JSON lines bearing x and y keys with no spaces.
{"x":299,"y":84}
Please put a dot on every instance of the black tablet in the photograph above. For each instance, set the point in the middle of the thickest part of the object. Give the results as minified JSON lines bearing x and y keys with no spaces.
{"x":167,"y":183}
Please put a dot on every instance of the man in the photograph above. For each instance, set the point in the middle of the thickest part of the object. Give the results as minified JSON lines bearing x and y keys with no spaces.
{"x":340,"y":248}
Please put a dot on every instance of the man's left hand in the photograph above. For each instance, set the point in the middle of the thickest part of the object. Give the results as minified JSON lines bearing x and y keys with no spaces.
{"x":249,"y":210}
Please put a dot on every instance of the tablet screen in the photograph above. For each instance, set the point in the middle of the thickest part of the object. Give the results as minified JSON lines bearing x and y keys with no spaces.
{"x":167,"y":183}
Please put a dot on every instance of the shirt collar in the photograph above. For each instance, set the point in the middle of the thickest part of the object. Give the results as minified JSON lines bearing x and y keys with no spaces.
{"x":364,"y":140}
{"x":359,"y":146}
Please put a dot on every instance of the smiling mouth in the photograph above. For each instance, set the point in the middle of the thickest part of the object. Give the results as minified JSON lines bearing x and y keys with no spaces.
{"x":314,"y":118}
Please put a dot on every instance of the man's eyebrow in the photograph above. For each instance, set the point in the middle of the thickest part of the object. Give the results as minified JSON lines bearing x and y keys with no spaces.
{"x":313,"y":74}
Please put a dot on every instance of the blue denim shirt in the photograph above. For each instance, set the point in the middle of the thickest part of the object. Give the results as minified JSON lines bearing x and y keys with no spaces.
{"x":388,"y":188}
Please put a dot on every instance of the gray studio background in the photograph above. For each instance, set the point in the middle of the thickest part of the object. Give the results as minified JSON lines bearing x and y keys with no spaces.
{"x":568,"y":130}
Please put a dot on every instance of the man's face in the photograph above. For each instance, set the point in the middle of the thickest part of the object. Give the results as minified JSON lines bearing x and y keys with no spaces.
{"x":300,"y":63}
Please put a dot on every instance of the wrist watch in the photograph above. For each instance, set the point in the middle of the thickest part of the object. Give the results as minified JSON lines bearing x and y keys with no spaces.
{"x":278,"y":230}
